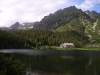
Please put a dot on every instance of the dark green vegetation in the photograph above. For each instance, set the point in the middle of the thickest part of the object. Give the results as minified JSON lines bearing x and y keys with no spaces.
{"x":11,"y":66}
{"x":61,"y":65}
{"x":39,"y":38}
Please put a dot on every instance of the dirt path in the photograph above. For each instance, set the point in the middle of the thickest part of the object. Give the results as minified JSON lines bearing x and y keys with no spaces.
{"x":95,"y":24}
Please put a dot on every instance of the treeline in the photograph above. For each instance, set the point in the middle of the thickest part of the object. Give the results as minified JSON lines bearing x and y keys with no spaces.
{"x":39,"y":38}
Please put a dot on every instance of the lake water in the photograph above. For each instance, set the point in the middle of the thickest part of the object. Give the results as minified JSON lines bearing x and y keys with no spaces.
{"x":58,"y":62}
{"x":53,"y":52}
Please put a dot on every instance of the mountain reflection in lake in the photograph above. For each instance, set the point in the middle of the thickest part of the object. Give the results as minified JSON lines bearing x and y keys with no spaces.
{"x":52,"y":62}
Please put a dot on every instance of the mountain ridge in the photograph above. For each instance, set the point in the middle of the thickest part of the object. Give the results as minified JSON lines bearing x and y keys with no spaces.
{"x":64,"y":18}
{"x":18,"y":26}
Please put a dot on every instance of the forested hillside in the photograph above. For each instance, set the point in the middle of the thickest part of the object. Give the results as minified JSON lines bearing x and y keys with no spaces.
{"x":39,"y":38}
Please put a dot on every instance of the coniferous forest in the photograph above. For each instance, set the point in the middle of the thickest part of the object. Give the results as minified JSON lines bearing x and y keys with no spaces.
{"x":21,"y":39}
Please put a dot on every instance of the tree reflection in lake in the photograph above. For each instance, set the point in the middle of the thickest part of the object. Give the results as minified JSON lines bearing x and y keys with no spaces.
{"x":60,"y":65}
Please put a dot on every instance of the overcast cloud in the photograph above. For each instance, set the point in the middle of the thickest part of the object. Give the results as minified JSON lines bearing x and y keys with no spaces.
{"x":22,"y":11}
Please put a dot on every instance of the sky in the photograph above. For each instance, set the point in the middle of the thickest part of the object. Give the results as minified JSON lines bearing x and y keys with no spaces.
{"x":22,"y":11}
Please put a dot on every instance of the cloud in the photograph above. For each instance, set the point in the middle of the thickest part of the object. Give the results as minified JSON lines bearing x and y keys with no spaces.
{"x":26,"y":10}
{"x":88,"y":4}
{"x":0,"y":11}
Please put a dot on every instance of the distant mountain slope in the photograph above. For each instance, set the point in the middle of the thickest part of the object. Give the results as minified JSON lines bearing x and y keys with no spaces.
{"x":18,"y":26}
{"x":24,"y":26}
{"x":92,"y":14}
{"x":62,"y":17}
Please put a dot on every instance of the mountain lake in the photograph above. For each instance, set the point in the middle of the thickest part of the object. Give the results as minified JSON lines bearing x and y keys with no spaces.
{"x":58,"y":62}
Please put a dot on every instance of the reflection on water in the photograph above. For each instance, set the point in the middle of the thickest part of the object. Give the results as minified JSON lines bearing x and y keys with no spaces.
{"x":40,"y":63}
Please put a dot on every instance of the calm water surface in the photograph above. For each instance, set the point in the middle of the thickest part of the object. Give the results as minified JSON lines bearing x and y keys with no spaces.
{"x":53,"y":52}
{"x":58,"y":62}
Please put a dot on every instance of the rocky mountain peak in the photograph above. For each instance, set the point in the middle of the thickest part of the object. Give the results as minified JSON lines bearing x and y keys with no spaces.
{"x":92,"y":14}
{"x":60,"y":17}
